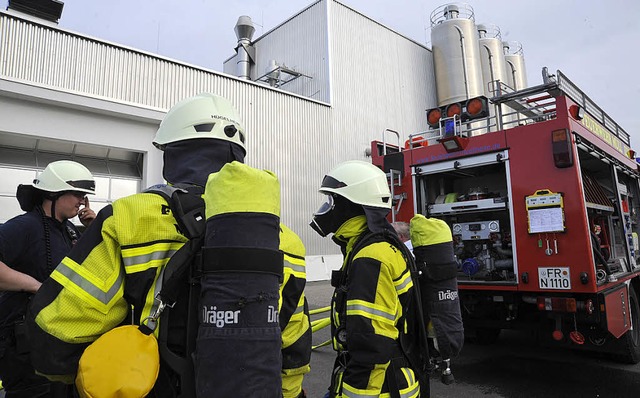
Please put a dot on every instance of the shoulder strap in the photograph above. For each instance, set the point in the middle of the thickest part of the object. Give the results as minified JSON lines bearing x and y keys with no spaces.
{"x":387,"y":236}
{"x":419,"y":362}
{"x":187,"y":207}
{"x":340,"y":277}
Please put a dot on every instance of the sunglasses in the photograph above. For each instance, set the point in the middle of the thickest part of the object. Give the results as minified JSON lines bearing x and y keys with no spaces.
{"x":78,"y":195}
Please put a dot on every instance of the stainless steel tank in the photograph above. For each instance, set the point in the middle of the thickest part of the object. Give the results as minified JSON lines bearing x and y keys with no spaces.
{"x":494,"y":73}
{"x":492,"y":60}
{"x":456,"y":55}
{"x":514,"y":57}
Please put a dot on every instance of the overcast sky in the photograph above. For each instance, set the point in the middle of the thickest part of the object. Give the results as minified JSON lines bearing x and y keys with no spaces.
{"x":593,"y":42}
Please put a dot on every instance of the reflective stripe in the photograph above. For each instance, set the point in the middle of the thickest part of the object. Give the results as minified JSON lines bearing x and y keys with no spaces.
{"x":294,"y":267}
{"x":352,"y":307}
{"x":409,"y":375}
{"x":133,"y":261}
{"x":352,"y":394}
{"x":403,"y":284}
{"x":143,"y":258}
{"x":412,"y":393}
{"x":86,"y":286}
{"x":299,"y":308}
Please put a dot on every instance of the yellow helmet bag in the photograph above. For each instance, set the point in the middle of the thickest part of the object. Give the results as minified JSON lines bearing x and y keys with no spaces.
{"x":122,"y":363}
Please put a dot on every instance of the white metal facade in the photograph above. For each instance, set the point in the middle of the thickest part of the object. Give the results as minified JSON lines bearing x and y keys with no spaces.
{"x":365,"y":78}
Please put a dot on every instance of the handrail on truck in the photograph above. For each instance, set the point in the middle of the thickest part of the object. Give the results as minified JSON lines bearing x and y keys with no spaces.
{"x":392,"y":173}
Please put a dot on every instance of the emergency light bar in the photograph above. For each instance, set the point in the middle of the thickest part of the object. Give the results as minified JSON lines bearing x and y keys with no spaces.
{"x":453,"y":109}
{"x":433,"y":117}
{"x":473,"y":108}
{"x":476,"y":108}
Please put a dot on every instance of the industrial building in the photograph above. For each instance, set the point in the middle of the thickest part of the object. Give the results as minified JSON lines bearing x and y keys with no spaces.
{"x":313,"y":91}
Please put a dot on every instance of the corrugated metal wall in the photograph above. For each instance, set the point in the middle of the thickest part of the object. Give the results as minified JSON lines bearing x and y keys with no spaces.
{"x":379,"y":80}
{"x":278,"y":125}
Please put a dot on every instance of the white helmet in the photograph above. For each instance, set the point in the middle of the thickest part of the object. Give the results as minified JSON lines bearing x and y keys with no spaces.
{"x":359,"y":182}
{"x":202,"y":116}
{"x":65,"y":175}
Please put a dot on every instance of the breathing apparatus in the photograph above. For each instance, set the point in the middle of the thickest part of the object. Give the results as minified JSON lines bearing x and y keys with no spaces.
{"x":353,"y":188}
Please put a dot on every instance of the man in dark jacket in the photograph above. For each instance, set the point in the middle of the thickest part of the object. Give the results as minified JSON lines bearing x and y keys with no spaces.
{"x":31,"y":245}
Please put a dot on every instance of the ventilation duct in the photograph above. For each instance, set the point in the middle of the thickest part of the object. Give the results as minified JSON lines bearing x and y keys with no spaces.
{"x":246,"y":53}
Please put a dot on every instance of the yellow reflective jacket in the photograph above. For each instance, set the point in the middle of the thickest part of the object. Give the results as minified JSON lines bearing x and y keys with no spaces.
{"x":113,"y":275}
{"x":370,"y":307}
{"x":294,"y":315}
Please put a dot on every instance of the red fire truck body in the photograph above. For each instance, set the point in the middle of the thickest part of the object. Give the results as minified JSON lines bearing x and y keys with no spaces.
{"x":543,"y":199}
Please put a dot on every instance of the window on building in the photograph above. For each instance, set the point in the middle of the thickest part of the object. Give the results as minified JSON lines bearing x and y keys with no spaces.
{"x":118,"y":172}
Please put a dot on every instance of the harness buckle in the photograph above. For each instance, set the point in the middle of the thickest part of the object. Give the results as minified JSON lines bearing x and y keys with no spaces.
{"x":152,"y":320}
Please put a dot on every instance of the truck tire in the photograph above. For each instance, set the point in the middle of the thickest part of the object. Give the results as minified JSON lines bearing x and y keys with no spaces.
{"x":631,"y":340}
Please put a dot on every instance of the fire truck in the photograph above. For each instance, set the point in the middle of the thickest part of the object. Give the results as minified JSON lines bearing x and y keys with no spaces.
{"x":541,"y":190}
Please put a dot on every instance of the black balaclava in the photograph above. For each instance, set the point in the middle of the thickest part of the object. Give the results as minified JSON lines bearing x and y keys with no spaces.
{"x":31,"y":197}
{"x":191,"y":161}
{"x":377,"y":219}
{"x":330,"y":221}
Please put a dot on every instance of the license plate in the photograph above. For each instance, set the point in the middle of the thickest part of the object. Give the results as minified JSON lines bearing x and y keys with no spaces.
{"x":554,"y":278}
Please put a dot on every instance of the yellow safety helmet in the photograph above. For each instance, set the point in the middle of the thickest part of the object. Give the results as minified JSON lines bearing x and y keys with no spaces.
{"x":205,"y":115}
{"x":359,"y":182}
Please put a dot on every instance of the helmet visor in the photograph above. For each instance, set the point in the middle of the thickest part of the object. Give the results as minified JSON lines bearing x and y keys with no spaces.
{"x":88,"y":185}
{"x":325,"y":207}
{"x":330,"y":182}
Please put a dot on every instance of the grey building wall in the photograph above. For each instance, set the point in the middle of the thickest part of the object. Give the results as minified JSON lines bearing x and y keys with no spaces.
{"x":379,"y":80}
{"x":365,"y":78}
{"x":300,"y":43}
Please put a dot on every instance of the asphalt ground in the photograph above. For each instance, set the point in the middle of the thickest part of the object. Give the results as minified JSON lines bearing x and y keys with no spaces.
{"x":516,"y":366}
{"x":317,"y":381}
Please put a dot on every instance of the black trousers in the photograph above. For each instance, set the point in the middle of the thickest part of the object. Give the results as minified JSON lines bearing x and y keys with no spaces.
{"x":19,"y":378}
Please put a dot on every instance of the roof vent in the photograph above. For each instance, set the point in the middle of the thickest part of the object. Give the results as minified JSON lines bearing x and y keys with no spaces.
{"x":451,"y":11}
{"x":246,"y":52}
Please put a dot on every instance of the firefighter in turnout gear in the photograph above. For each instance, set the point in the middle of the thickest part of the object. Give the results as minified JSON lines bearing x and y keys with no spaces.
{"x":374,"y":288}
{"x":31,"y":245}
{"x":294,"y":315}
{"x":116,"y":272}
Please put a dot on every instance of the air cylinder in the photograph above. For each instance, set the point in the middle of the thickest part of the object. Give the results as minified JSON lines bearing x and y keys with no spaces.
{"x":238,"y":348}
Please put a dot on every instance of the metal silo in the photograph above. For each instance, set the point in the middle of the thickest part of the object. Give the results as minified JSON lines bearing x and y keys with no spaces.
{"x":456,"y":57}
{"x":492,"y":60}
{"x":514,"y":57}
{"x":495,"y":75}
